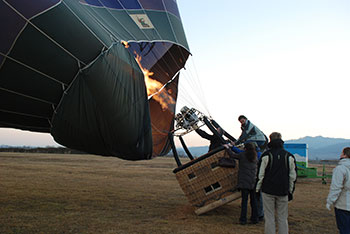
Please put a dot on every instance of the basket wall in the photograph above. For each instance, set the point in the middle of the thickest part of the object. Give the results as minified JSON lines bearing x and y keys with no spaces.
{"x":205,"y":182}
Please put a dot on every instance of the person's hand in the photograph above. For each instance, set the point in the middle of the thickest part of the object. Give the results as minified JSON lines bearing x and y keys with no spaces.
{"x":328,"y":206}
{"x":195,"y":126}
{"x":290,"y":196}
{"x":226,"y":146}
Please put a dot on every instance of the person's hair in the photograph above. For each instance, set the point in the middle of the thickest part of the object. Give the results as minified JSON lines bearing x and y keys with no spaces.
{"x":241,"y":117}
{"x":346,"y":151}
{"x":275,"y":135}
{"x":250,"y":151}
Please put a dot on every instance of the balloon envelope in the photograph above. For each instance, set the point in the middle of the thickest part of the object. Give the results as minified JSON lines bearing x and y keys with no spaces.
{"x":64,"y":71}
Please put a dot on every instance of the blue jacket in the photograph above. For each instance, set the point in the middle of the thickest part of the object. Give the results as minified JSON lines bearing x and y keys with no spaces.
{"x":238,"y":150}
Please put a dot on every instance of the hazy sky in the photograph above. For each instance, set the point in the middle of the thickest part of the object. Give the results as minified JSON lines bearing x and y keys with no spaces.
{"x":283,"y":64}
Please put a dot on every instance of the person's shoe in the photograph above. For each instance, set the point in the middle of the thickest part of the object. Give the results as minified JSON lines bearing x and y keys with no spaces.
{"x":254,"y":222}
{"x":261,"y":218}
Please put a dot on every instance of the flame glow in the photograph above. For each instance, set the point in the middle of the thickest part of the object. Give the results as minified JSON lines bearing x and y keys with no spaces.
{"x":126,"y":44}
{"x":154,"y":87}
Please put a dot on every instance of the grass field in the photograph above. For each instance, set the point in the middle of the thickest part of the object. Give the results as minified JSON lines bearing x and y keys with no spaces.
{"x":57,"y":193}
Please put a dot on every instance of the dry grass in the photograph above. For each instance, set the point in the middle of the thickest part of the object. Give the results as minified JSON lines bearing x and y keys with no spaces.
{"x":55,"y":193}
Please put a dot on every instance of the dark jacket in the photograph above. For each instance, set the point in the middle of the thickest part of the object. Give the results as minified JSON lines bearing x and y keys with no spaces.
{"x":215,"y":141}
{"x":247,"y":172}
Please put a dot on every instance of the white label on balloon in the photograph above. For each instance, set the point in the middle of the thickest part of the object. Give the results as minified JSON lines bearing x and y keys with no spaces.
{"x":142,"y":21}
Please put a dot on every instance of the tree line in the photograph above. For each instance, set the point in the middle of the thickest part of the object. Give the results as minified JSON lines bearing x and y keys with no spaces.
{"x":48,"y":150}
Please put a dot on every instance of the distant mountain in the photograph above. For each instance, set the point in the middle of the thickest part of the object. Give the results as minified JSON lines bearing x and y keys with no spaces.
{"x":323,"y":147}
{"x":319,"y":141}
{"x":319,"y":148}
{"x":195,"y":151}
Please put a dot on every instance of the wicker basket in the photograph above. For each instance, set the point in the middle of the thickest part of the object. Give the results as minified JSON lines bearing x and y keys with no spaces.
{"x":207,"y":185}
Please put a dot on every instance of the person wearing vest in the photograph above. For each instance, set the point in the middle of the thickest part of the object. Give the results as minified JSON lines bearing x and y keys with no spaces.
{"x":277,"y":173}
{"x":339,"y":192}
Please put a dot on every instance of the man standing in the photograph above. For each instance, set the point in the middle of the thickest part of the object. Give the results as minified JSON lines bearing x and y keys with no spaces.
{"x":250,"y":133}
{"x":276,"y":178}
{"x":339,"y":193}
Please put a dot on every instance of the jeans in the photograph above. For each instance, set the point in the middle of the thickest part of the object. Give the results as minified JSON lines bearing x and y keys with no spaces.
{"x":254,"y":214}
{"x":343,"y":220}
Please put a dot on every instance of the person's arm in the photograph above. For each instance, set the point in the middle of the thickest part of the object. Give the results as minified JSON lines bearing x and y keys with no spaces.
{"x":241,"y":138}
{"x":292,"y":174}
{"x":261,"y":174}
{"x":243,"y":135}
{"x":236,"y":150}
{"x":247,"y":131}
{"x":258,"y":154}
{"x":336,"y":186}
{"x":204,"y":134}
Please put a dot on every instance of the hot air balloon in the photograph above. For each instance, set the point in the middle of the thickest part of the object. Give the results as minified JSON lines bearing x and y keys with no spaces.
{"x":68,"y":68}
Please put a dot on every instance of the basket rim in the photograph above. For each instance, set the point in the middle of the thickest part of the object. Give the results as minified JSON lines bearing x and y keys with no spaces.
{"x":204,"y":156}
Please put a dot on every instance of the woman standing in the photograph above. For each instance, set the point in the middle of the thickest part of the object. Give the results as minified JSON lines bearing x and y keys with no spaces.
{"x":246,"y":181}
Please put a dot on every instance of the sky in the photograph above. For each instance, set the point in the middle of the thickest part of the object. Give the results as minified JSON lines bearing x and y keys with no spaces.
{"x":283,"y":64}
